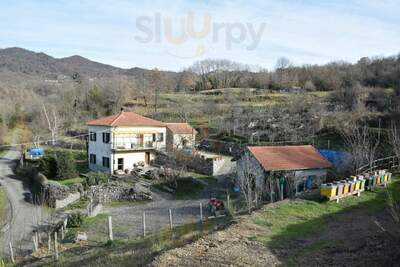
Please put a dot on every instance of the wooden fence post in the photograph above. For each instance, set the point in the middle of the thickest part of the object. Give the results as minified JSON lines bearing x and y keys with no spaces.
{"x":201,"y":212}
{"x":62,"y":232}
{"x":144,"y":223}
{"x":65,"y":222}
{"x":35,"y":246}
{"x":228,"y":199}
{"x":11,"y":253}
{"x":55,"y":246}
{"x":110,"y":231}
{"x":38,"y":239}
{"x":170,"y":219}
{"x":49,"y":241}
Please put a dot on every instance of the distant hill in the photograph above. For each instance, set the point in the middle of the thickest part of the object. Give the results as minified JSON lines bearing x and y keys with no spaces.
{"x":17,"y":61}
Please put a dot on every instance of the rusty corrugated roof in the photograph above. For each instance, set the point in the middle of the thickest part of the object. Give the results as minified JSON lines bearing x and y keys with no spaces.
{"x":126,"y":119}
{"x":287,"y":158}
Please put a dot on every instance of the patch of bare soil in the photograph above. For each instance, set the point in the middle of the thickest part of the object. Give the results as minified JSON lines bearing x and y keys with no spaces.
{"x":355,"y":238}
{"x":223,"y":248}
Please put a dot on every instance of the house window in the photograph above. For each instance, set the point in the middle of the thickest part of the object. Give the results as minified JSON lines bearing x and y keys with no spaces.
{"x":120,"y":164}
{"x":106,"y":162}
{"x":92,"y":136}
{"x":106,"y":138}
{"x":92,"y":158}
{"x":160,"y":137}
{"x":154,"y":137}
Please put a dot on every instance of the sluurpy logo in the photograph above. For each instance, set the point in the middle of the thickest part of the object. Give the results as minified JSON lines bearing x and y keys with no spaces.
{"x":202,"y":32}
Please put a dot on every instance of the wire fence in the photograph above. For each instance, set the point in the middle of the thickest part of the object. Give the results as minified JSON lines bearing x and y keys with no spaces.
{"x":125,"y":223}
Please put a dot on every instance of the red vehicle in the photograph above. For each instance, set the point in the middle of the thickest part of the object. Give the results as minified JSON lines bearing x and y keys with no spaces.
{"x":216,"y":207}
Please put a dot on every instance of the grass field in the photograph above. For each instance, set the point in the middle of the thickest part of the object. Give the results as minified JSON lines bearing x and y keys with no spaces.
{"x":310,"y":216}
{"x":3,"y":207}
{"x":68,"y":182}
{"x":306,"y":228}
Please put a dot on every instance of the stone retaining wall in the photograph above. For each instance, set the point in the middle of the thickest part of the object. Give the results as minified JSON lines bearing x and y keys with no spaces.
{"x":115,"y":191}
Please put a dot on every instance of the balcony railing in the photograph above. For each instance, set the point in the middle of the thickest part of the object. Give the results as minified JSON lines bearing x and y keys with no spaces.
{"x":138,"y":146}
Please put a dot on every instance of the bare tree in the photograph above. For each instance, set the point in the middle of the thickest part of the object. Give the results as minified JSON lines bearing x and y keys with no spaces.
{"x":362,"y":144}
{"x":53,"y":122}
{"x":249,"y":176}
{"x":395,"y":138}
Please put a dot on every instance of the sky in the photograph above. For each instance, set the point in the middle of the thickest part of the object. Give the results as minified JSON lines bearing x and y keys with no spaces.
{"x":171,"y":35}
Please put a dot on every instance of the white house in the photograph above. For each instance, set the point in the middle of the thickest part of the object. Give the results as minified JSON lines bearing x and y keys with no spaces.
{"x":120,"y":141}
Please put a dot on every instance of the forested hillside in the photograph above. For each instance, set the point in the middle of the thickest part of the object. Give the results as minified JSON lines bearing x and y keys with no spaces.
{"x":288,"y":103}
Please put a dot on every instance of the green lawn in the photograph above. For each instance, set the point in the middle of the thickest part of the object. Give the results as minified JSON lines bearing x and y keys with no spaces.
{"x":206,"y":178}
{"x":2,"y":152}
{"x":302,"y":218}
{"x":68,"y":182}
{"x":3,"y":206}
{"x":188,"y":188}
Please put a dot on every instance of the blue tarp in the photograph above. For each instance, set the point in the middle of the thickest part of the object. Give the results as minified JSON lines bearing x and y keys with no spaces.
{"x":36,"y":152}
{"x":339,"y":159}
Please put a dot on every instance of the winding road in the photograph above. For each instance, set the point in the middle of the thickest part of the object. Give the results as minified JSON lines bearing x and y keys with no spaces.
{"x":23,"y":216}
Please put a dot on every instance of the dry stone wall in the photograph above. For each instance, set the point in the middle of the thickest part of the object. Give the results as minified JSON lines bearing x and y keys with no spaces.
{"x":117,"y":191}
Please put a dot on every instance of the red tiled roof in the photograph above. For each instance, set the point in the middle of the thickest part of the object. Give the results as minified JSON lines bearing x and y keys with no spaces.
{"x":286,"y":158}
{"x":125,"y":119}
{"x":181,"y":128}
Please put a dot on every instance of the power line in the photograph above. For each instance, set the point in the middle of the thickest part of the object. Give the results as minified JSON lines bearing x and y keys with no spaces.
{"x":50,"y":140}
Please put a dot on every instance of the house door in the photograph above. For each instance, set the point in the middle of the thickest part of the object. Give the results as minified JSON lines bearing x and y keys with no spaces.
{"x":120,"y":164}
{"x":147,"y":158}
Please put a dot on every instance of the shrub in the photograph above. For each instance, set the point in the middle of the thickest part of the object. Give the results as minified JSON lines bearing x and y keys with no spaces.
{"x":96,"y":178}
{"x":58,"y":164}
{"x":27,"y":172}
{"x":75,"y":220}
{"x":48,"y":166}
{"x":66,"y":166}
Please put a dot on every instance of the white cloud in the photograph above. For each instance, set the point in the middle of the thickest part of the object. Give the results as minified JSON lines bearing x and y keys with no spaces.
{"x":305,"y":31}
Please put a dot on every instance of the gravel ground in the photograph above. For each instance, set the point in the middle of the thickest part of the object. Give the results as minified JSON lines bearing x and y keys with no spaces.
{"x":127,"y":220}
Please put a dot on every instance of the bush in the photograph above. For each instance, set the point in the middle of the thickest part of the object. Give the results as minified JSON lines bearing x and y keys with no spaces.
{"x":96,"y":178}
{"x":48,"y":166}
{"x":27,"y":172}
{"x":66,"y":166}
{"x":58,"y":164}
{"x":75,"y":220}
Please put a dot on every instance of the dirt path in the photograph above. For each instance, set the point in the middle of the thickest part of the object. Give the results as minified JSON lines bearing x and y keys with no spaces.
{"x":23,"y":214}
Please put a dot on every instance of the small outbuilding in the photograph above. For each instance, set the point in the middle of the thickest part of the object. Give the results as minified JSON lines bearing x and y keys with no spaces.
{"x":180,"y":136}
{"x":283,"y":171}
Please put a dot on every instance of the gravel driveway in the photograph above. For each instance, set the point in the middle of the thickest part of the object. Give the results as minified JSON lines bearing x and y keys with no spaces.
{"x":23,"y":214}
{"x":127,"y":220}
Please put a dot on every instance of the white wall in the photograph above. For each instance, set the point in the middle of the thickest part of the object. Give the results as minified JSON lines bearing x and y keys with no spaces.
{"x":305,"y":173}
{"x":99,"y":148}
{"x":178,"y":140}
{"x":130,"y":159}
{"x":223,"y":166}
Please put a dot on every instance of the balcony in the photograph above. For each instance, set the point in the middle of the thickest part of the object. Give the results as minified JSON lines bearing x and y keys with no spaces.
{"x":127,"y":146}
